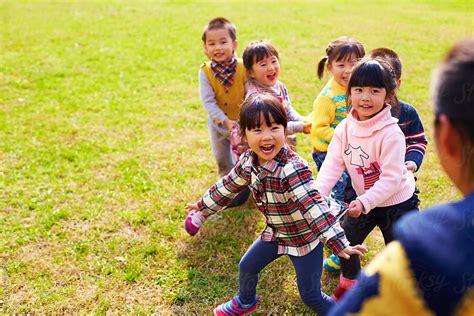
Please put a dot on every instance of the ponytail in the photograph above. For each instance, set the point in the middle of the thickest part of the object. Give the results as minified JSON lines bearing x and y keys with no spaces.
{"x":321,"y":65}
{"x":395,"y":103}
{"x":340,"y":49}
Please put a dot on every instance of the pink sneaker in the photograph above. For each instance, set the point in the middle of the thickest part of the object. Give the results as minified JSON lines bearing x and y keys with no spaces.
{"x":193,"y":222}
{"x":234,"y":307}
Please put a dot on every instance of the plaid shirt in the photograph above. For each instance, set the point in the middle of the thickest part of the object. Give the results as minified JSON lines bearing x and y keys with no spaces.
{"x":297,"y":216}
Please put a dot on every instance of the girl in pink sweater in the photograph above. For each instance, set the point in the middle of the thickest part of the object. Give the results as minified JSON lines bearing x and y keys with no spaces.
{"x":371,"y":146}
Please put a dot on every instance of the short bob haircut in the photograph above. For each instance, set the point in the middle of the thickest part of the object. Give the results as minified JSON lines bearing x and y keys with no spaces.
{"x":260,"y":103}
{"x":374,"y":72}
{"x":256,"y":51}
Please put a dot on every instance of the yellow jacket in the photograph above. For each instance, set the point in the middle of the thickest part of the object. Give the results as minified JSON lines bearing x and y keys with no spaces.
{"x":329,"y":109}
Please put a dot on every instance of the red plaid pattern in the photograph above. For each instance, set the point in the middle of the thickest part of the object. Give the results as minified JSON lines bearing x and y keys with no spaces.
{"x":297,"y":216}
{"x":224,"y":72}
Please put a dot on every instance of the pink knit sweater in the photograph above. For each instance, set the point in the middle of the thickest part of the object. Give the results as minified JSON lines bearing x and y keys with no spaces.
{"x":373,"y":152}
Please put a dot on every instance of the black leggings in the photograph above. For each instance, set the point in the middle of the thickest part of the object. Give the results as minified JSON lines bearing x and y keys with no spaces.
{"x":357,"y":229}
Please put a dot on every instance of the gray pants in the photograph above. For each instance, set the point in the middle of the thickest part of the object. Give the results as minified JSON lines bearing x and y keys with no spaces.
{"x":220,"y":144}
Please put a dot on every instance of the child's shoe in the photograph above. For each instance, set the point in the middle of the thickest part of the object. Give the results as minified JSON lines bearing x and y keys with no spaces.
{"x":332,"y":263}
{"x":344,"y":285}
{"x":193,"y":222}
{"x":235,"y":307}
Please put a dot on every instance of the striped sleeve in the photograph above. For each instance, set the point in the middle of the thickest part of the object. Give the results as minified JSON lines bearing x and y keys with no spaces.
{"x":415,"y":136}
{"x":226,"y":189}
{"x":416,"y":147}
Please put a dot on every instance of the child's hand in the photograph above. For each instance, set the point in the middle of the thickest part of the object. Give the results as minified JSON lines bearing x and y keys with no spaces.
{"x":229,"y":123}
{"x":355,"y":208}
{"x":352,"y":250}
{"x":194,"y":220}
{"x":191,"y":207}
{"x":307,"y":128}
{"x":411,"y":166}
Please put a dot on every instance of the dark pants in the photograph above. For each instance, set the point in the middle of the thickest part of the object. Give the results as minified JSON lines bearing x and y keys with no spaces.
{"x":308,"y":270}
{"x":357,"y":229}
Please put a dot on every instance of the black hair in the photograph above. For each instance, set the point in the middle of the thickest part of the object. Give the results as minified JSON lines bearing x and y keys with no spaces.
{"x":256,"y":51}
{"x":374,"y":72}
{"x":340,"y":49}
{"x":395,"y":62}
{"x":390,"y":56}
{"x":220,"y":23}
{"x":253,"y":53}
{"x":453,"y":96}
{"x":257,"y":104}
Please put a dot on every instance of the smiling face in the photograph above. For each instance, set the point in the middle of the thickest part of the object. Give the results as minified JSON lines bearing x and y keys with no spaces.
{"x":266,"y":71}
{"x":219,"y":46}
{"x":368,"y":101}
{"x":266,"y":141}
{"x":342,"y":69}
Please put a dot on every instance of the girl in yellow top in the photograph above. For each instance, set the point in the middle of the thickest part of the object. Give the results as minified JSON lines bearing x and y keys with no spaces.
{"x":329,"y":108}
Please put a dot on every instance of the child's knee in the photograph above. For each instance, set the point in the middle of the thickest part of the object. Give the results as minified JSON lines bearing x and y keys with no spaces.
{"x":246,"y":266}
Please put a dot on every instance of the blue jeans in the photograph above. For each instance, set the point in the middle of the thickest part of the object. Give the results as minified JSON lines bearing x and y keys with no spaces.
{"x":340,"y":186}
{"x":308,"y":270}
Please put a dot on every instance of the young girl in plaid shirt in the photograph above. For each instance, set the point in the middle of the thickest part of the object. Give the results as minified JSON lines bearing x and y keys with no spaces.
{"x":297,"y":216}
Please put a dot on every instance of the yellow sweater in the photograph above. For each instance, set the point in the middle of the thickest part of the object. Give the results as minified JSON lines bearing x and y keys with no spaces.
{"x":228,"y":99}
{"x":329,"y":109}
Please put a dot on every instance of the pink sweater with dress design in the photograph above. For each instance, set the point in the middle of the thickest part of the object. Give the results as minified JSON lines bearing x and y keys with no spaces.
{"x":373,"y":152}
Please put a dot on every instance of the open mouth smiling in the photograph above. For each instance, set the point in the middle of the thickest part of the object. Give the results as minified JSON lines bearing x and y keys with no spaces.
{"x":267,"y":149}
{"x":271,"y":77}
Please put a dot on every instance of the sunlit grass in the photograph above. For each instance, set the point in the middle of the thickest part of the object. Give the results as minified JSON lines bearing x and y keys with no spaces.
{"x":104,"y":140}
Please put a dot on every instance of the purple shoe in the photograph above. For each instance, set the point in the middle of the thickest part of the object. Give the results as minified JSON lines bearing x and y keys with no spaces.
{"x":193,"y":222}
{"x":235,"y":307}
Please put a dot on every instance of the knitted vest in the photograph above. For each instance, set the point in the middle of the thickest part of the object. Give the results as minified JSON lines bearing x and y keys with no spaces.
{"x":228,"y":99}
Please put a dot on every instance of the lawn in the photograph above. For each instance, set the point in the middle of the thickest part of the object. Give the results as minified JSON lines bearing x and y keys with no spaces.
{"x":104,"y":141}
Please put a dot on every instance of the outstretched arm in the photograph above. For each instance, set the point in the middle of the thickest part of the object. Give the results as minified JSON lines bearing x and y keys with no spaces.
{"x":217,"y":197}
{"x":223,"y":192}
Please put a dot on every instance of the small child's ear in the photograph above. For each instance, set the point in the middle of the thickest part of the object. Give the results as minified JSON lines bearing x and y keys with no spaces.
{"x":389,"y":98}
{"x":399,"y":83}
{"x":235,"y":44}
{"x":249,"y":73}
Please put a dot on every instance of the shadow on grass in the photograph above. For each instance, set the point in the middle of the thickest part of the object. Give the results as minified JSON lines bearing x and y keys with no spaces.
{"x":212,"y":258}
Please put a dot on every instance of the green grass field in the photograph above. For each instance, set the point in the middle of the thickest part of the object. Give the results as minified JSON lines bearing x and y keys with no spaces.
{"x":103,"y":142}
